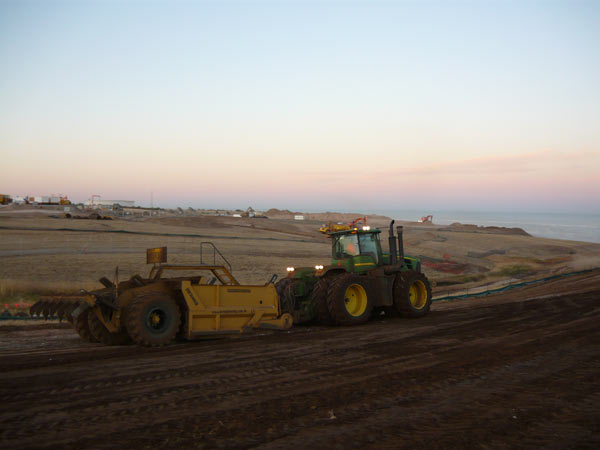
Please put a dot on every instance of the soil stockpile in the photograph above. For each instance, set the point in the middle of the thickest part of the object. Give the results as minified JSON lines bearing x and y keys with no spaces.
{"x":456,"y":226}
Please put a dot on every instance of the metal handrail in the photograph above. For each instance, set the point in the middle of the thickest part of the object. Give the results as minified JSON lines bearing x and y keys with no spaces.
{"x":215,"y":251}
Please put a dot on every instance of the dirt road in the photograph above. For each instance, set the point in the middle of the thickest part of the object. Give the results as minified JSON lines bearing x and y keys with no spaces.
{"x":518,"y":370}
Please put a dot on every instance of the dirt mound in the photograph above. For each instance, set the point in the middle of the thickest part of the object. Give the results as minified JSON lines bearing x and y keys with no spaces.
{"x":471,"y":228}
{"x":329,"y":216}
{"x":281,"y":213}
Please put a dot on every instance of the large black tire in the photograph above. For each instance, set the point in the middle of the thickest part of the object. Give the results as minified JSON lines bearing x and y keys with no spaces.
{"x":318,"y":298}
{"x":286,"y":291}
{"x":412,"y":294}
{"x":281,"y":285}
{"x":349,"y":299}
{"x":82,"y":326}
{"x":101,"y":334}
{"x":153,"y":320}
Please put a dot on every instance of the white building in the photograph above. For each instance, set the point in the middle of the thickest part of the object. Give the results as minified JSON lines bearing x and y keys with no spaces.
{"x":97,"y":202}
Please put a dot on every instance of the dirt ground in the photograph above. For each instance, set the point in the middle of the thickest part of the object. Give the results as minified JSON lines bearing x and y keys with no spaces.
{"x":517,"y":370}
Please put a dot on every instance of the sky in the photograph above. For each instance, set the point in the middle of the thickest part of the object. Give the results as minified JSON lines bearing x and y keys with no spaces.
{"x":305,"y":105}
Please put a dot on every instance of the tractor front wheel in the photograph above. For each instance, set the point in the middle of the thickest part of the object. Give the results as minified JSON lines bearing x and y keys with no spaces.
{"x":412,"y":294}
{"x":349,"y":299}
{"x":153,"y":320}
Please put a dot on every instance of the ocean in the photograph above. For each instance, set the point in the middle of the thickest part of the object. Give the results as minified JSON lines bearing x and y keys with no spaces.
{"x":574,"y":227}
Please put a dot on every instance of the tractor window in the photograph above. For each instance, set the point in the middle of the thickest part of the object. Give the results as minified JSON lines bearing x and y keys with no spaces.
{"x":346,"y":245}
{"x":369,"y":245}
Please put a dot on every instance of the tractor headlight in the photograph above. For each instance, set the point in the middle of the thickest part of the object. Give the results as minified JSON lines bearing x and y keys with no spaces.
{"x":319,"y":267}
{"x":366,"y":228}
{"x":290,"y":269}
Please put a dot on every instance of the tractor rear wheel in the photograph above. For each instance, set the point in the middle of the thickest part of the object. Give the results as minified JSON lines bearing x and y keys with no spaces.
{"x":318,"y":298}
{"x":281,"y":285}
{"x":286,"y":291}
{"x":412,"y":294}
{"x":153,"y":320}
{"x":82,"y":326}
{"x":101,"y":334}
{"x":349,"y":299}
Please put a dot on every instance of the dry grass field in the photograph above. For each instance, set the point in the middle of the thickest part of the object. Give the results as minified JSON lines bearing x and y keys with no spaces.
{"x":41,"y":254}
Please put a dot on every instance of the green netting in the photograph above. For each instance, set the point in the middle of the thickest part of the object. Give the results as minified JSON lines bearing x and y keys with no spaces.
{"x":510,"y":286}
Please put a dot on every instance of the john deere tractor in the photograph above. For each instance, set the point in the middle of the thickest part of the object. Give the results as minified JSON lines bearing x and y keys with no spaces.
{"x":360,"y":282}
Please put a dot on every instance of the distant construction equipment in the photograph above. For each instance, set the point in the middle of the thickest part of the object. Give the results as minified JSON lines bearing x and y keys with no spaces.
{"x":426,"y":219}
{"x":335,"y":227}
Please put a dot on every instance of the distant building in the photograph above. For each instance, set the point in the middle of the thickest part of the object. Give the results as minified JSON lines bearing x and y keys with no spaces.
{"x":96,"y":202}
{"x":44,"y":199}
{"x":298,"y":217}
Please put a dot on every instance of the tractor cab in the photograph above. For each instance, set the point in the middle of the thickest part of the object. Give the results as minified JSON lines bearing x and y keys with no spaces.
{"x":356,"y":250}
{"x":360,"y":277}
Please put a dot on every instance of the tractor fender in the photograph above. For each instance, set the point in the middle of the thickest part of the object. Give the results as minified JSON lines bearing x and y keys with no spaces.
{"x":332,"y":270}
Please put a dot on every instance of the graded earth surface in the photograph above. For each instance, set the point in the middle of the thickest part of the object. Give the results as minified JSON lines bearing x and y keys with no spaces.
{"x":515,"y":370}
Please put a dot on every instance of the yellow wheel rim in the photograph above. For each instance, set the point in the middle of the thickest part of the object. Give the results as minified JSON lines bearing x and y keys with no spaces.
{"x":418,"y":294}
{"x":355,"y":300}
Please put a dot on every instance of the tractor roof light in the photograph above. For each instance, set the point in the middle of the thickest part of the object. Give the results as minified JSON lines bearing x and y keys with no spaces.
{"x":290,"y":269}
{"x":366,"y":228}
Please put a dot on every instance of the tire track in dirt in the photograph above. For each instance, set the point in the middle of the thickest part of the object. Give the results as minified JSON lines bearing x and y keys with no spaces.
{"x":278,"y":390}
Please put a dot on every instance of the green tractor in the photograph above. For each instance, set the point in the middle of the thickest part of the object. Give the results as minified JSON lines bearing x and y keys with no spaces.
{"x":360,"y":282}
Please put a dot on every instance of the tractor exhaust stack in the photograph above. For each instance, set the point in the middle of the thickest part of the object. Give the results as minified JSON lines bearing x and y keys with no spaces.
{"x":392,"y":245}
{"x":400,"y":228}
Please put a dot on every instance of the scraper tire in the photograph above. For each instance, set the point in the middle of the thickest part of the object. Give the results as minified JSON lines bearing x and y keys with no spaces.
{"x":82,"y":326}
{"x":153,"y":320}
{"x":101,"y":334}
